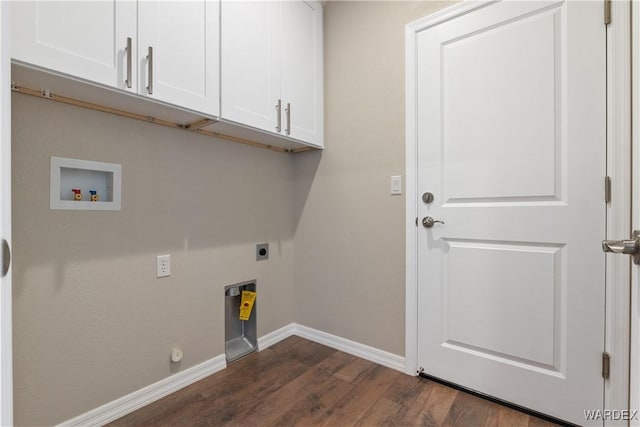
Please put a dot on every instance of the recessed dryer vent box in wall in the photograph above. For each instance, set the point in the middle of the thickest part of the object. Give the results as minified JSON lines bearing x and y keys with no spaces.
{"x":241,"y":337}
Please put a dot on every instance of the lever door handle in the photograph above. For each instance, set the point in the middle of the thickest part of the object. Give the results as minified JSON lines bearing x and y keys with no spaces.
{"x":428,"y":222}
{"x":629,"y":247}
{"x":620,"y":246}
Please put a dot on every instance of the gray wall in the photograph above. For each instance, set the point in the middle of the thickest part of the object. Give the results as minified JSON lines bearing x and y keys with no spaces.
{"x":91,"y":321}
{"x":349,"y":240}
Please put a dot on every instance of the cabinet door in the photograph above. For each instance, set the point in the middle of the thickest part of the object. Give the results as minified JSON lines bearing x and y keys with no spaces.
{"x":250,"y":63}
{"x":85,"y":39}
{"x":184,"y":36}
{"x":302,"y":65}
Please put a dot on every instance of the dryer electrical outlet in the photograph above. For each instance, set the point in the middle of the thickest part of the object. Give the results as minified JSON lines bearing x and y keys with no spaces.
{"x":262,"y":251}
{"x":163,"y":266}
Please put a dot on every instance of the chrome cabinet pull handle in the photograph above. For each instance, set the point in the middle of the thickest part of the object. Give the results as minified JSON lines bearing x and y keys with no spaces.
{"x":128,"y":49}
{"x":287,"y":111}
{"x":278,"y":115}
{"x":428,"y":222}
{"x":150,"y":65}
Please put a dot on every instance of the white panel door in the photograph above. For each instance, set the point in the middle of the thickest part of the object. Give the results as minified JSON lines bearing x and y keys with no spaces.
{"x":511,"y":142}
{"x":184,"y":37}
{"x":302,"y":55}
{"x":6,"y":367}
{"x":85,"y":39}
{"x":250,"y":63}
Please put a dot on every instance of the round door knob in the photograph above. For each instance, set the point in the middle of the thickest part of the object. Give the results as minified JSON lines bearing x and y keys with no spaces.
{"x":428,"y":222}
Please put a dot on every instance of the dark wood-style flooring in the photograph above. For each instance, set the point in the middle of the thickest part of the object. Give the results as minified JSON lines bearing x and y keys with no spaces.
{"x":301,"y":383}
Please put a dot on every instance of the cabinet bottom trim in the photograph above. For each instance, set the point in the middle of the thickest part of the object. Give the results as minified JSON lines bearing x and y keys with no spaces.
{"x":191,"y":127}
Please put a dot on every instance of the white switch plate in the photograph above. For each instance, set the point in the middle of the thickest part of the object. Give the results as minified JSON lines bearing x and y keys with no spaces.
{"x":163,"y":266}
{"x":396,"y":184}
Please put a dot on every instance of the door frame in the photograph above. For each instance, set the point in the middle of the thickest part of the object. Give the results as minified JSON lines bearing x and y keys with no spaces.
{"x":634,"y":389}
{"x":617,"y":314}
{"x":619,"y":169}
{"x":6,"y":361}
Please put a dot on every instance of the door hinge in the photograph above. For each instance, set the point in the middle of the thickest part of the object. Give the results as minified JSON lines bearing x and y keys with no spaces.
{"x":607,"y":12}
{"x":607,"y":189}
{"x":606,"y":365}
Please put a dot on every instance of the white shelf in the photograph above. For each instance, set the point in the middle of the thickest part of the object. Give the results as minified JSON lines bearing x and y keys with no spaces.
{"x":69,"y":174}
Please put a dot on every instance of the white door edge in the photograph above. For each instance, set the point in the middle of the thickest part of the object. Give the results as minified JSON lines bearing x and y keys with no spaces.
{"x":411,"y":188}
{"x":634,"y":397}
{"x":616,"y":393}
{"x":6,"y":362}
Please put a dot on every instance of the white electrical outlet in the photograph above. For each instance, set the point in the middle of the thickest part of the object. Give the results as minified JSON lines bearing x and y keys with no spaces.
{"x":163,"y":265}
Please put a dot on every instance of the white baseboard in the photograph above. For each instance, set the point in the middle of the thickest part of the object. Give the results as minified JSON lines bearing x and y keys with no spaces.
{"x":276,"y":336}
{"x":372,"y":354}
{"x":129,"y":403}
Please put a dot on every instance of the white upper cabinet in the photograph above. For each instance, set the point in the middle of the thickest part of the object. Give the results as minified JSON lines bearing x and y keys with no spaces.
{"x":178,"y":45}
{"x":250,"y":62}
{"x":271,"y":61}
{"x":90,"y":39}
{"x":301,"y":70}
{"x":84,"y":39}
{"x":258,"y":65}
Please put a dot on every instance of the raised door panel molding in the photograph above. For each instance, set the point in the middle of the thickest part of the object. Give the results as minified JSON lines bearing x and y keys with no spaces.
{"x":84,"y":39}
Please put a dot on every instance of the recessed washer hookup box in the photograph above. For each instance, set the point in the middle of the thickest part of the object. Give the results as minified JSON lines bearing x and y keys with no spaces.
{"x":240,"y":336}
